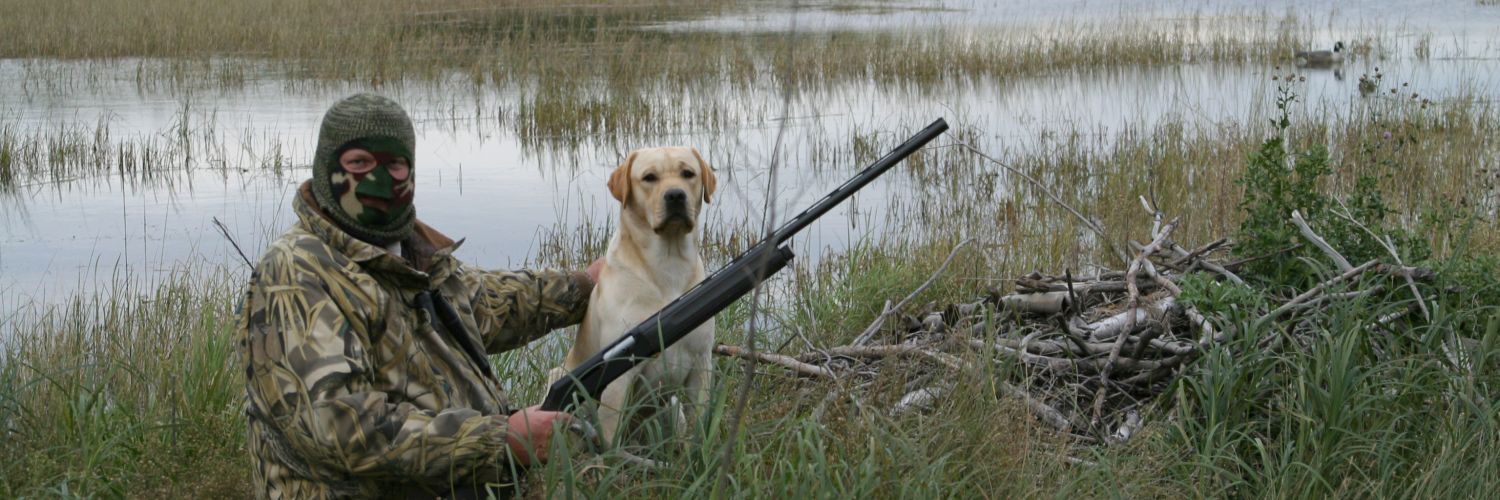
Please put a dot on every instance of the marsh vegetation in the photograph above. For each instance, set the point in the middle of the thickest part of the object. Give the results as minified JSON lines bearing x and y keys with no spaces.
{"x":137,"y":120}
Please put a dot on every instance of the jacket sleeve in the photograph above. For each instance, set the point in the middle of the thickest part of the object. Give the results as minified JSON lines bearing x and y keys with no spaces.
{"x":512,"y":308}
{"x":307,"y":379}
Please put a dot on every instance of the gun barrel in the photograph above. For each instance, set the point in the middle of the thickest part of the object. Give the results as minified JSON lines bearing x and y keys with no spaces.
{"x":864,"y":177}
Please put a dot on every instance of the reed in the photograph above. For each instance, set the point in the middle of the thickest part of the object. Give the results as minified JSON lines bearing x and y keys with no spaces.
{"x":592,"y":43}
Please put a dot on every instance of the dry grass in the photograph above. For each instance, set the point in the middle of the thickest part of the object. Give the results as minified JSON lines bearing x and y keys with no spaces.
{"x":598,"y":46}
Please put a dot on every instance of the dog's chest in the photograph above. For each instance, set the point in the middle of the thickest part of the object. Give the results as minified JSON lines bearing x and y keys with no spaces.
{"x":672,"y":365}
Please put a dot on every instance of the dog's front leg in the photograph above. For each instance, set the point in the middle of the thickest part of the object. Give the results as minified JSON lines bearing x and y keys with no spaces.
{"x":613,"y":404}
{"x":700,"y":381}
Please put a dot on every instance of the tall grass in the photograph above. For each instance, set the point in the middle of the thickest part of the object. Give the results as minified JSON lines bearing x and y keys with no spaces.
{"x":135,"y":392}
{"x":1359,"y":411}
{"x":130,"y":390}
{"x":614,"y":45}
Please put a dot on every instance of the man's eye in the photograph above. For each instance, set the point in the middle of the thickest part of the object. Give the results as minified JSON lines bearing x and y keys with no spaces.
{"x":687,"y":174}
{"x":649,"y":178}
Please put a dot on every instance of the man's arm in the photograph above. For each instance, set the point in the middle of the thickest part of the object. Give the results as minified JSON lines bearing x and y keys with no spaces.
{"x":307,"y":372}
{"x":513,"y":308}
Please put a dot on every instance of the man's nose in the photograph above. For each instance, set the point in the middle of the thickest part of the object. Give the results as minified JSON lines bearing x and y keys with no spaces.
{"x":675,"y":196}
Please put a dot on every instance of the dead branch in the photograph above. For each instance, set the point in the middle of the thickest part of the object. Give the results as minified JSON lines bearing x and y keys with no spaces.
{"x":1318,"y":241}
{"x":869,"y":332}
{"x":1135,"y":301}
{"x":1315,"y":291}
{"x":1039,"y":409}
{"x":776,"y":359}
{"x":1390,"y":247}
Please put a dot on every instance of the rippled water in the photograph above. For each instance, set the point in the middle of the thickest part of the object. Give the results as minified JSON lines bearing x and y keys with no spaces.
{"x":507,"y":193}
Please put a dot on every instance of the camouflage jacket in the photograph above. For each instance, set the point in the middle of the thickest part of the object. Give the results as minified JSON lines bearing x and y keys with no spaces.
{"x":350,"y":389}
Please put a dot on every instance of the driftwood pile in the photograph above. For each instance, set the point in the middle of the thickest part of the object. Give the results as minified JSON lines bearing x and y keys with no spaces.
{"x":1081,"y":353}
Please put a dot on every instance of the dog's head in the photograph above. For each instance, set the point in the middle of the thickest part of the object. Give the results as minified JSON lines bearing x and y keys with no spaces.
{"x":665,"y":187}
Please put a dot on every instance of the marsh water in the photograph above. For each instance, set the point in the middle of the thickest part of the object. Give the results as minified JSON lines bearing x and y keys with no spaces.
{"x":237,"y":153}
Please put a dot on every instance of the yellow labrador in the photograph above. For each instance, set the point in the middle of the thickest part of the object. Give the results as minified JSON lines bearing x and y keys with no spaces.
{"x":652,"y":259}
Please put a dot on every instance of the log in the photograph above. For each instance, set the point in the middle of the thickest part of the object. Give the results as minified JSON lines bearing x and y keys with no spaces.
{"x":1109,"y":328}
{"x":1036,"y":303}
{"x":919,"y":400}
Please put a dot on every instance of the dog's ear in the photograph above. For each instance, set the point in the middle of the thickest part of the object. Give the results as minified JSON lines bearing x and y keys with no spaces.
{"x":619,"y":181}
{"x":710,"y":183}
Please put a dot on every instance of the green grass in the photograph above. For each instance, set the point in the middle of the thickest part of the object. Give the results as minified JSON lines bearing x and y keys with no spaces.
{"x":130,"y":391}
{"x":135,"y":392}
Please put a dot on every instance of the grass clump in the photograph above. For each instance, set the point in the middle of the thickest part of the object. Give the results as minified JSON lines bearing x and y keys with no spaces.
{"x":1277,"y":182}
{"x":129,"y":392}
{"x":1362,"y":396}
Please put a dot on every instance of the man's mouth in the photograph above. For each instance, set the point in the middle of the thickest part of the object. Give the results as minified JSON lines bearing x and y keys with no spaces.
{"x":381,"y":204}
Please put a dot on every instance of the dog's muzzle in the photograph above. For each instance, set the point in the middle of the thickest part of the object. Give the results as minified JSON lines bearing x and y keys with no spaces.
{"x":675,"y":210}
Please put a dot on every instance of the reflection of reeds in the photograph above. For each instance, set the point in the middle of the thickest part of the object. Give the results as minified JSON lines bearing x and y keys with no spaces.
{"x":532,"y":44}
{"x":72,"y":152}
{"x":1424,"y":154}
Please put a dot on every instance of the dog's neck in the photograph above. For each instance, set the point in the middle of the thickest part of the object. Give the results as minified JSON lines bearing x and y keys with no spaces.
{"x":675,"y":251}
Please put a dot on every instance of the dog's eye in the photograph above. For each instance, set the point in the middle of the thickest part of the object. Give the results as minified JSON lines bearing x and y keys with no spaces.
{"x":649,"y":178}
{"x":687,"y":174}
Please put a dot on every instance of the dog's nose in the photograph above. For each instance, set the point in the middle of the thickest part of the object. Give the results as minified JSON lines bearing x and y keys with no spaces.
{"x":675,"y":196}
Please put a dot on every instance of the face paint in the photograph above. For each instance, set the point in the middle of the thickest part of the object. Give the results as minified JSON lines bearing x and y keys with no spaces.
{"x":373,"y":183}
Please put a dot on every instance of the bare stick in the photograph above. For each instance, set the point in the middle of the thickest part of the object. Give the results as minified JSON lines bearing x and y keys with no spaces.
{"x":882,"y":351}
{"x":1161,"y":280}
{"x":1390,"y":248}
{"x":1185,"y":256}
{"x":1237,"y":263}
{"x":1314,"y":292}
{"x":1055,"y":199}
{"x":784,"y":361}
{"x":1319,"y":242}
{"x":1206,"y":330}
{"x":225,"y":231}
{"x":1039,"y":409}
{"x":1135,"y":302}
{"x":1156,"y":230}
{"x":874,"y":327}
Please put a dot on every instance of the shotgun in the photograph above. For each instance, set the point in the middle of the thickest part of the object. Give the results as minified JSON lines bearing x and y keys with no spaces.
{"x":714,"y":293}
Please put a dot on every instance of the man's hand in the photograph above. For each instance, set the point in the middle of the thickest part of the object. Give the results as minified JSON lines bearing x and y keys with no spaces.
{"x":530,"y":433}
{"x":594,"y":269}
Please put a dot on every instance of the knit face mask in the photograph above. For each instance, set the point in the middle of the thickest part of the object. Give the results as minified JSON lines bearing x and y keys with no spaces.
{"x":372,"y":181}
{"x":373,"y":200}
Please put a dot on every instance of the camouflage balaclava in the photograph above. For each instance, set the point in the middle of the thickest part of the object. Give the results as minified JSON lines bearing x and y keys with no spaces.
{"x":370,"y":203}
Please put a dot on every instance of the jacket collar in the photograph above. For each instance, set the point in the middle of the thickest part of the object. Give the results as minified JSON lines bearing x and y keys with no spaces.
{"x":428,"y":249}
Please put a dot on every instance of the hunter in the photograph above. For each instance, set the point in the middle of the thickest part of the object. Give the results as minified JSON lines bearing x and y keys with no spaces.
{"x":364,"y":340}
